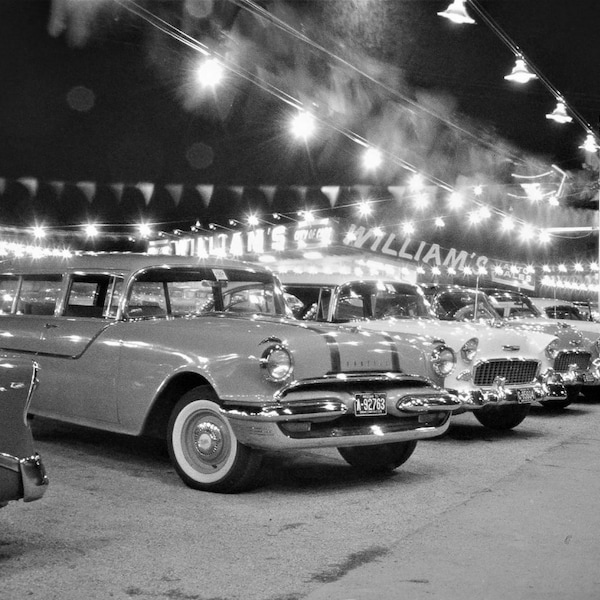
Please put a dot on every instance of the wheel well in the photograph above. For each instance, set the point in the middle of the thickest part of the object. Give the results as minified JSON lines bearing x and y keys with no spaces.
{"x":158,"y":418}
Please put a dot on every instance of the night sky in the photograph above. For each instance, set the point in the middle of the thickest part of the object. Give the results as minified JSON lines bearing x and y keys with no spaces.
{"x":94,"y":93}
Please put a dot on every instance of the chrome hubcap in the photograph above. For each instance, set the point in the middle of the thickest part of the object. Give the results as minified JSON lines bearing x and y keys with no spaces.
{"x":208,"y":440}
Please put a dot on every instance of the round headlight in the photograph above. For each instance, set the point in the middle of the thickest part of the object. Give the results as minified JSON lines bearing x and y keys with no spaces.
{"x":469,"y":349}
{"x":552,"y":349}
{"x":443,"y":360}
{"x":277,"y":363}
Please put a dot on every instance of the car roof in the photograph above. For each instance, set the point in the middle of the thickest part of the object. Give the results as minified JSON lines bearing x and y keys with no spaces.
{"x":550,"y":302}
{"x":123,"y":262}
{"x":333,"y":279}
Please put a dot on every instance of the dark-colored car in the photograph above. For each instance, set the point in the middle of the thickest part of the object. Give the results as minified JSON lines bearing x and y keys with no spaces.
{"x":22,"y":474}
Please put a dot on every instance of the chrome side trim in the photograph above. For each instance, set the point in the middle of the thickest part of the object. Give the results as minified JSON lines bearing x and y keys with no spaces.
{"x":7,"y":461}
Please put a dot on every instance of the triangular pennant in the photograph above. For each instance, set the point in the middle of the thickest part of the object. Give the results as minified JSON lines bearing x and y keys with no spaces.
{"x":2,"y":185}
{"x":301,"y":191}
{"x":175,"y":191}
{"x":332,"y":192}
{"x":147,"y":190}
{"x":238,"y":190}
{"x":269,"y":192}
{"x":88,"y":188}
{"x":397,"y":191}
{"x":30,"y":183}
{"x":363,"y":190}
{"x":57,"y":187}
{"x":206,"y":192}
{"x":117,"y":189}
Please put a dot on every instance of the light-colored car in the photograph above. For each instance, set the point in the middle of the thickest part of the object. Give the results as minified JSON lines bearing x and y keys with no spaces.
{"x":22,"y":473}
{"x":499,"y":372}
{"x":200,"y":352}
{"x":578,"y":356}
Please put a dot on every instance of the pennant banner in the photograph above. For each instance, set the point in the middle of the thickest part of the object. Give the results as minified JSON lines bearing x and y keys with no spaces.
{"x":206,"y":192}
{"x":332,"y":192}
{"x":88,"y":188}
{"x":147,"y":190}
{"x":31,"y":184}
{"x":175,"y":191}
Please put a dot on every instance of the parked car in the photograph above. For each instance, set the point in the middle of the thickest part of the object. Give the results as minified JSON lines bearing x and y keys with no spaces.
{"x":562,"y":310}
{"x":22,"y":473}
{"x":578,"y":355}
{"x":499,"y":372}
{"x":200,"y":352}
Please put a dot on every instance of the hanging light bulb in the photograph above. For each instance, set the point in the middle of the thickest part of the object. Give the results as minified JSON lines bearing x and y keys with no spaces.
{"x":520,"y":72}
{"x":590,"y":144}
{"x":210,"y":73}
{"x":303,"y":125}
{"x":372,"y":158}
{"x":457,"y":13}
{"x":91,"y":230}
{"x":559,"y":114}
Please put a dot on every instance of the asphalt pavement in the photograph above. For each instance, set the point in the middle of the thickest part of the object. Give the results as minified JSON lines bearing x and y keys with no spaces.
{"x":474,"y":514}
{"x":536,"y":535}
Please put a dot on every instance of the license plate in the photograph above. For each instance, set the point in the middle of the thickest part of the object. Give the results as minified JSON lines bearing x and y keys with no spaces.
{"x":370,"y":404}
{"x":525,"y":396}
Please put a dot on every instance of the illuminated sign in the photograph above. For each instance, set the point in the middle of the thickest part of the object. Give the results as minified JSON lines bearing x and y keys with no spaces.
{"x":256,"y":241}
{"x":389,"y":244}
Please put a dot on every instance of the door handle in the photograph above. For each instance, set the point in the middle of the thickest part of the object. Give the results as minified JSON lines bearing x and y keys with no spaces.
{"x":50,"y":326}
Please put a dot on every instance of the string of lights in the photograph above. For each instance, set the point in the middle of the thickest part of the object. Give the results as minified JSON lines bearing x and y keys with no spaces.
{"x":308,"y":118}
{"x":525,"y":70}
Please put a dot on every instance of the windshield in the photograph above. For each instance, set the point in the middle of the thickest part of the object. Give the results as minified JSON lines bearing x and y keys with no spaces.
{"x":513,"y":306}
{"x":570,"y":313}
{"x":181,"y":292}
{"x":380,"y":300}
{"x":463,"y":305}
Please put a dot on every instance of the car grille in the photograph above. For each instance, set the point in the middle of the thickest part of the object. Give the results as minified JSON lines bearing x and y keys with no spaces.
{"x":581,"y":359}
{"x":515,"y":372}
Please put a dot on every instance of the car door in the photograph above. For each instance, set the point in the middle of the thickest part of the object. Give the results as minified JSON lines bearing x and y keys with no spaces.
{"x":77,"y":350}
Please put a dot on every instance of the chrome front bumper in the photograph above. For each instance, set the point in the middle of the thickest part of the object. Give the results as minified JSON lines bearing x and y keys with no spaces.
{"x":580,"y":378}
{"x":550,"y":386}
{"x":301,"y":420}
{"x":32,"y":474}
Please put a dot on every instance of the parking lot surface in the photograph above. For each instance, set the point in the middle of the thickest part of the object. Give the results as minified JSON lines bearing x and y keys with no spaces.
{"x":473,"y":514}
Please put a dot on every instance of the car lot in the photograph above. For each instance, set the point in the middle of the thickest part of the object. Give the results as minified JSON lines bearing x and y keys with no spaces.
{"x":117,"y":522}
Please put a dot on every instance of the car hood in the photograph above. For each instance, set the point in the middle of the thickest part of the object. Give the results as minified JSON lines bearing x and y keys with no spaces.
{"x":494,"y":341}
{"x":568,"y":336}
{"x":317,"y":348}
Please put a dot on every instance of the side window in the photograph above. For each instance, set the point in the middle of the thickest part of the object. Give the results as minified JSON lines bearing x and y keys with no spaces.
{"x":350,"y":306}
{"x":90,"y":296}
{"x":39,"y":294}
{"x":249,"y":299}
{"x":8,"y":292}
{"x":323,"y":305}
{"x":189,"y":297}
{"x":147,"y":299}
{"x":113,"y":297}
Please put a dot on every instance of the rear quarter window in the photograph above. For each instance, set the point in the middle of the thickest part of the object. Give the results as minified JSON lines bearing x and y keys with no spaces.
{"x":39,"y":294}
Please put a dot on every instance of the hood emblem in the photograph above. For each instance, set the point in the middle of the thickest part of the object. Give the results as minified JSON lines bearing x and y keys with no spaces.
{"x":510,"y":348}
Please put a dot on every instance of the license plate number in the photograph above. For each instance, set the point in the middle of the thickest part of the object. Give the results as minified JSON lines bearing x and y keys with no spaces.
{"x":370,"y":404}
{"x":526,"y":396}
